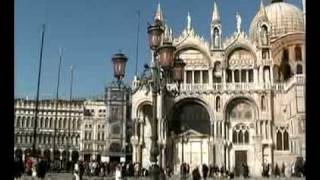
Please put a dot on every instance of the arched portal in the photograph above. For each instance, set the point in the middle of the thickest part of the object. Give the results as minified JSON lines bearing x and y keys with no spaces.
{"x":188,"y":134}
{"x":191,"y":115}
{"x":143,"y":132}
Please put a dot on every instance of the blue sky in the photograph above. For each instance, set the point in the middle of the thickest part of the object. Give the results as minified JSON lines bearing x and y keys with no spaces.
{"x":91,"y":31}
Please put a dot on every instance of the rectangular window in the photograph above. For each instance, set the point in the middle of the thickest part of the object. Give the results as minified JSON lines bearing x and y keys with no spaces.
{"x":251,"y":75}
{"x":196,"y":77}
{"x":189,"y":77}
{"x":243,"y":75}
{"x":205,"y":77}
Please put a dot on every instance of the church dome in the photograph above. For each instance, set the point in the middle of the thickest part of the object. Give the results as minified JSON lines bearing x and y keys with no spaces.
{"x":283,"y":17}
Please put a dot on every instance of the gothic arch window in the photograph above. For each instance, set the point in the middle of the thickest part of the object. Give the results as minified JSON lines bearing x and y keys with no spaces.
{"x":18,"y":121}
{"x":246,"y":136}
{"x":229,"y":75}
{"x":279,"y":140}
{"x":234,"y":137}
{"x":240,"y":135}
{"x":298,"y":53}
{"x":285,"y":56}
{"x":276,"y":73}
{"x":216,"y":36}
{"x":264,"y":35}
{"x":285,"y":140}
{"x":299,"y":69}
{"x":263,"y":103}
{"x":218,"y":103}
{"x":266,"y":74}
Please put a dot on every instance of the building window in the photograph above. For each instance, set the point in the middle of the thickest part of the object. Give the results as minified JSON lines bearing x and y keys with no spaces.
{"x":189,"y":77}
{"x":279,"y":140}
{"x":285,"y":140}
{"x":299,"y":69}
{"x":282,"y":140}
{"x":196,"y":77}
{"x":229,"y":75}
{"x":218,"y":103}
{"x":236,"y":76}
{"x":243,"y":75}
{"x":298,"y":53}
{"x":205,"y":77}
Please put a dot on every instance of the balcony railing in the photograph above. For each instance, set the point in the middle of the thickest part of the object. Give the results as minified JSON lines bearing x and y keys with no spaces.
{"x":215,"y":87}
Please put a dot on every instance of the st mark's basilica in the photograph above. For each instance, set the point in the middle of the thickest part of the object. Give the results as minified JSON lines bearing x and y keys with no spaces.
{"x":242,"y":99}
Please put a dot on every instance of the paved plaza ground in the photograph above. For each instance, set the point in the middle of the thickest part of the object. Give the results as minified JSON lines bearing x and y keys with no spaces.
{"x":68,"y":176}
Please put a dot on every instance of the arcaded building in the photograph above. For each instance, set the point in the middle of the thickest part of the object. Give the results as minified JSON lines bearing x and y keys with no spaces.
{"x":242,"y":99}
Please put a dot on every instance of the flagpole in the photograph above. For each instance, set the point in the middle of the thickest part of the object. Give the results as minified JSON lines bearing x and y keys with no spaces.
{"x":37,"y":98}
{"x":56,"y":109}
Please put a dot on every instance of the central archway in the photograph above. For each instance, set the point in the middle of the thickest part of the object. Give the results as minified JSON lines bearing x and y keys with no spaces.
{"x":191,"y":115}
{"x":188,"y":134}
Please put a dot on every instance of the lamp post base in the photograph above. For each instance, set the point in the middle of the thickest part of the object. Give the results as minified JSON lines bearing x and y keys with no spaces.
{"x":155,"y":172}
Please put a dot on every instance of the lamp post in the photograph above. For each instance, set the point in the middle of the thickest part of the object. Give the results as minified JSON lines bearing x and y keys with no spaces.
{"x":165,"y":63}
{"x":119,"y":61}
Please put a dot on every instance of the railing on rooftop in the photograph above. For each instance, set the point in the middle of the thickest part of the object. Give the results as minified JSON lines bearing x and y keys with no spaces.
{"x":294,"y":80}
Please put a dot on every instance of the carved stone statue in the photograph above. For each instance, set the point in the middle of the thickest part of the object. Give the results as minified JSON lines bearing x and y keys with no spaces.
{"x":263,"y":34}
{"x":216,"y":38}
{"x":238,"y":17}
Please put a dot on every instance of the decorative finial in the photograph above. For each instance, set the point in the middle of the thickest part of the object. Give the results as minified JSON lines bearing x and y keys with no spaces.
{"x":238,"y":17}
{"x":189,"y":22}
{"x":215,"y":13}
{"x":158,"y":16}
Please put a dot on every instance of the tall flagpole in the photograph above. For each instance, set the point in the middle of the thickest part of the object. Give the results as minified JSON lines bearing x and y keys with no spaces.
{"x":57,"y":99}
{"x":37,"y":98}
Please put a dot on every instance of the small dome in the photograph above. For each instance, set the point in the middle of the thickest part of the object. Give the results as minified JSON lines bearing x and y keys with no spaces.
{"x":283,"y":17}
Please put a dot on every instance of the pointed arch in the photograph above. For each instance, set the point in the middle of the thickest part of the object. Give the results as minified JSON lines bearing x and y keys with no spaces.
{"x":279,"y":140}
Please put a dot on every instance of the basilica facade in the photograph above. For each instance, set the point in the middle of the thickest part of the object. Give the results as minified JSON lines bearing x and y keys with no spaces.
{"x":242,"y":99}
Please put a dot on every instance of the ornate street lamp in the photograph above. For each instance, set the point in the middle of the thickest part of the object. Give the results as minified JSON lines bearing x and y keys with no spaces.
{"x":119,"y":65}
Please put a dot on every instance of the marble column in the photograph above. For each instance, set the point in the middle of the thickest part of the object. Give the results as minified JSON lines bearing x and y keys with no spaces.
{"x":247,"y":76}
{"x":256,"y":77}
{"x":232,"y":75}
{"x":192,"y":77}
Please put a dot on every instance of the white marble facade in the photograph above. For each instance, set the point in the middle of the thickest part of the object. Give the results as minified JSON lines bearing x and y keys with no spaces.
{"x":251,"y":85}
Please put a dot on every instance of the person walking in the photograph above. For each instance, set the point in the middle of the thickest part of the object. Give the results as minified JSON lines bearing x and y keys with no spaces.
{"x":41,"y":169}
{"x":118,"y":174}
{"x":18,"y":168}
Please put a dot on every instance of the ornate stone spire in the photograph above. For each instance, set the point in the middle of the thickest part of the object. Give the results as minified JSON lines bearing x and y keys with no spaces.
{"x":215,"y":13}
{"x":189,"y":22}
{"x":262,"y":10}
{"x":158,"y":16}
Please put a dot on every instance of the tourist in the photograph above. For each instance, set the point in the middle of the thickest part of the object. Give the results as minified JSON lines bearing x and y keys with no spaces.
{"x":41,"y":168}
{"x":205,"y":171}
{"x":19,"y":168}
{"x":196,"y":174}
{"x":118,"y":174}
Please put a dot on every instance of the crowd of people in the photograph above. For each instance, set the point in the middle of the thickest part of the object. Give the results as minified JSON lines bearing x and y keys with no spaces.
{"x":38,"y":167}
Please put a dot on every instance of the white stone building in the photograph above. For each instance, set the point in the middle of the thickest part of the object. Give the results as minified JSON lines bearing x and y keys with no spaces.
{"x":66,"y":122}
{"x":93,"y":130}
{"x":242,"y":99}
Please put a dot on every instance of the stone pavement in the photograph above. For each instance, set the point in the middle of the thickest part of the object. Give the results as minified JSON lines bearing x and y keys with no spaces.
{"x":69,"y":176}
